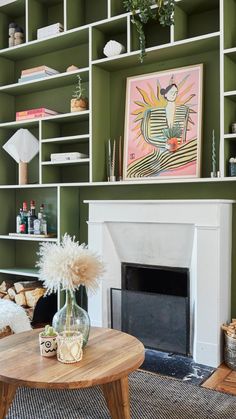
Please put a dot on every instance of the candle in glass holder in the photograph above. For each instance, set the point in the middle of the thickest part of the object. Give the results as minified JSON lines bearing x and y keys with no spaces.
{"x":69,"y":347}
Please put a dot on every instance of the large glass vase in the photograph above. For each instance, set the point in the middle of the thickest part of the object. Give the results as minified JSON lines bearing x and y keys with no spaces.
{"x":71,"y":317}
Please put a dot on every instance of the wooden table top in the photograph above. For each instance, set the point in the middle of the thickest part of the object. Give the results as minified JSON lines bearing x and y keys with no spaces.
{"x":109,"y":355}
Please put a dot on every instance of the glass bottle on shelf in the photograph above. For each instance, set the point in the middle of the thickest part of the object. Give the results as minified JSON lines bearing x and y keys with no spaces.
{"x":31,"y":218}
{"x":18,"y":220}
{"x":43,"y":220}
{"x":24,"y":219}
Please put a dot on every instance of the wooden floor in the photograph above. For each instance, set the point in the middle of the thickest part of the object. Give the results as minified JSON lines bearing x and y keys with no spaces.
{"x":223,"y":379}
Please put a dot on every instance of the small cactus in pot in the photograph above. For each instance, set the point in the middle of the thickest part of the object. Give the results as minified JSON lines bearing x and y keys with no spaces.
{"x":79,"y":102}
{"x":48,"y":341}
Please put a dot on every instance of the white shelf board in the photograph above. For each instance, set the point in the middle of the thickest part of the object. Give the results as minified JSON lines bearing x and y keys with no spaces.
{"x":37,"y":239}
{"x":17,"y":124}
{"x":121,"y":183}
{"x":48,"y":82}
{"x":83,"y":115}
{"x":33,"y":272}
{"x":228,"y":136}
{"x":70,"y":138}
{"x":29,"y":186}
{"x":65,"y":162}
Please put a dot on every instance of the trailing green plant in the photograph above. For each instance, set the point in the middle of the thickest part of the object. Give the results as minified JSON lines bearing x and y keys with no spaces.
{"x":143,"y":12}
{"x":49,"y":331}
{"x":173,"y":132}
{"x":79,"y":92}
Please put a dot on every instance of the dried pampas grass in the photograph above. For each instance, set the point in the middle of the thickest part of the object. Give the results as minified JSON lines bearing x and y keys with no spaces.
{"x":69,"y":265}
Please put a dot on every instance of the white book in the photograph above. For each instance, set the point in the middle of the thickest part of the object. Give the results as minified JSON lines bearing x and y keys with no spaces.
{"x":67,"y":156}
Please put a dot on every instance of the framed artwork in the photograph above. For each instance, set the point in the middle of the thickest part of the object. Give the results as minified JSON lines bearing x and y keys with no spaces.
{"x":163,"y":120}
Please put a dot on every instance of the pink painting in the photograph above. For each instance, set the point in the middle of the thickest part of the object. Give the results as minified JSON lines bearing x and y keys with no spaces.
{"x":163,"y":124}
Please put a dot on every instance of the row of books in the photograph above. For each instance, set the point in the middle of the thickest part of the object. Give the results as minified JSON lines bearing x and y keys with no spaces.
{"x":34,"y":113}
{"x":35,"y":73}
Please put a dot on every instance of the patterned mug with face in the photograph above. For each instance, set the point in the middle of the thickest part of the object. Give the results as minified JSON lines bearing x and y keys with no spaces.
{"x":48,"y":345}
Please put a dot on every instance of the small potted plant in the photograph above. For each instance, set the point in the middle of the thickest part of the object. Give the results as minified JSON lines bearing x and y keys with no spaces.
{"x":173,"y":137}
{"x":79,"y":102}
{"x":48,"y":341}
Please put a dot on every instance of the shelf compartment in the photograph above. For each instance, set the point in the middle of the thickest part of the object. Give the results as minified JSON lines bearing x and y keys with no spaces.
{"x":15,"y":198}
{"x":229,"y":151}
{"x":114,"y":29}
{"x":43,"y":13}
{"x":74,"y":127}
{"x":68,"y":172}
{"x":12,"y":12}
{"x":174,"y":50}
{"x":189,"y":14}
{"x":61,"y":42}
{"x":117,"y":7}
{"x":108,"y":121}
{"x":57,"y":99}
{"x":229,"y":112}
{"x":17,"y":253}
{"x":9,"y":167}
{"x":84,"y":12}
{"x":64,"y":147}
{"x":229,"y":71}
{"x":50,"y":82}
{"x":229,"y":23}
{"x":155,"y":35}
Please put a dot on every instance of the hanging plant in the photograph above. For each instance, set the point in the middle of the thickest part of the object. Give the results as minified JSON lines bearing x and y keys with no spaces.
{"x":164,"y":13}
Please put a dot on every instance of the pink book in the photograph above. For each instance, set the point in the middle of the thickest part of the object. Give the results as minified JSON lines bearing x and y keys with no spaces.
{"x":35,"y":111}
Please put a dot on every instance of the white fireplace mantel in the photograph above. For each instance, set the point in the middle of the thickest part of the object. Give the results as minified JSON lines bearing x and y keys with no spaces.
{"x":195,"y":234}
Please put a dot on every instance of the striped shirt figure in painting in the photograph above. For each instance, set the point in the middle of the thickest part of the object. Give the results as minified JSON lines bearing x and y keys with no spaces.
{"x":157,"y":120}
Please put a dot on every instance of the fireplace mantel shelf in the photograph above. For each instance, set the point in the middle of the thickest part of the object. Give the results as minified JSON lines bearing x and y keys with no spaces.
{"x":162,"y":201}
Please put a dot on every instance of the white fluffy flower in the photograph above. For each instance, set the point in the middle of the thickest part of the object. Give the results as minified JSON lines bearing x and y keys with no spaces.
{"x":69,"y":265}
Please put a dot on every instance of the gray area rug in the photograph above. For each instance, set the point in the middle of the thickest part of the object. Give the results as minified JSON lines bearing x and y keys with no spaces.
{"x":152,"y":397}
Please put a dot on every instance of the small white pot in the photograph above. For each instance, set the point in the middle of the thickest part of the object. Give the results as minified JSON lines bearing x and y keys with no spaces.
{"x":47,"y":345}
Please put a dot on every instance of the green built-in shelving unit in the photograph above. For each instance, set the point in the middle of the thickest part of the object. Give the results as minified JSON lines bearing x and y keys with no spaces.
{"x":204,"y":32}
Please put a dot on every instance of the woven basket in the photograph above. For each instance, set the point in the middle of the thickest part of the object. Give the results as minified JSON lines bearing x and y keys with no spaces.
{"x":6,"y":331}
{"x":230,"y":352}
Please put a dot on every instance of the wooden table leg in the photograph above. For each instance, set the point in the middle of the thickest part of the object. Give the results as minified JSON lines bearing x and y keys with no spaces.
{"x":7,"y":393}
{"x":116,"y":394}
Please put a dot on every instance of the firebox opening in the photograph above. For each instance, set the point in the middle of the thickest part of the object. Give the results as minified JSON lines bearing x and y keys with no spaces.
{"x":153,"y":305}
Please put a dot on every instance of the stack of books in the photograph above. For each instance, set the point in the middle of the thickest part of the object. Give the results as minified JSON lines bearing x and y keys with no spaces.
{"x":50,"y":30}
{"x":35,"y":73}
{"x":34,"y":114}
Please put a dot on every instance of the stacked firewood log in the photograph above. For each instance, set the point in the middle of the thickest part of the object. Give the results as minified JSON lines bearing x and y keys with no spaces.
{"x":23,"y":293}
{"x":230,"y":329}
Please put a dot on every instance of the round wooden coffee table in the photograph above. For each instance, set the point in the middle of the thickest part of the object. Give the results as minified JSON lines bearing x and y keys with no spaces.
{"x":109,"y":357}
